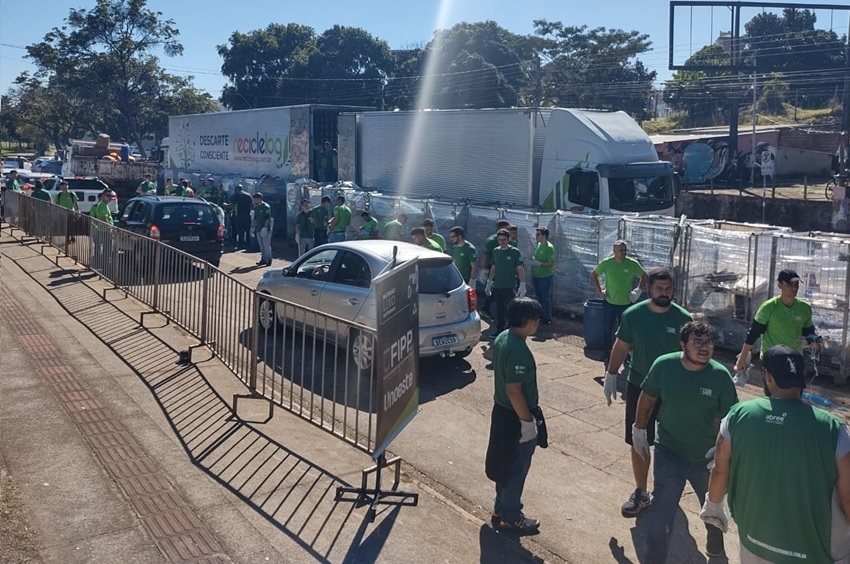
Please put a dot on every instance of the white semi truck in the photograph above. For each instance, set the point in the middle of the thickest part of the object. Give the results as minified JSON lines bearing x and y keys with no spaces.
{"x":552,"y":158}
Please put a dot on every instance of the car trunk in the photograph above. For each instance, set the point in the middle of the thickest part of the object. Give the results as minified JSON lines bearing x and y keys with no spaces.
{"x":185,"y":226}
{"x":442,"y":294}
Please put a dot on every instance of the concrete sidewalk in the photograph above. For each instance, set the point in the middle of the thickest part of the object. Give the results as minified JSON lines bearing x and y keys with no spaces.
{"x":122,"y":455}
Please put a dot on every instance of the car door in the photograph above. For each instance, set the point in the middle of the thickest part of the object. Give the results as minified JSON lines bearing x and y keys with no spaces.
{"x":348,"y":289}
{"x":304,"y":285}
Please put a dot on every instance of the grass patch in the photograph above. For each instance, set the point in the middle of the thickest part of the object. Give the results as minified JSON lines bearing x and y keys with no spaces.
{"x":18,"y":540}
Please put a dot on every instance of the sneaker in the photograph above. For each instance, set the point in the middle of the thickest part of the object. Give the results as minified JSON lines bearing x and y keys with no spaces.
{"x":636,"y":503}
{"x":524,"y":525}
{"x":714,"y":542}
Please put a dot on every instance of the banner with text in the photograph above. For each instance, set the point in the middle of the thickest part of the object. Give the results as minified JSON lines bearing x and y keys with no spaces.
{"x":397,"y":370}
{"x":248,"y":143}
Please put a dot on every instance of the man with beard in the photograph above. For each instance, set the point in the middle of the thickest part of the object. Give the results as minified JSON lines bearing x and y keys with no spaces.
{"x":647,"y":330}
{"x":695,"y":393}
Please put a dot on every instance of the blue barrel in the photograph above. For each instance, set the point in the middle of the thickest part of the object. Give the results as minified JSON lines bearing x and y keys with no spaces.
{"x":594,"y":324}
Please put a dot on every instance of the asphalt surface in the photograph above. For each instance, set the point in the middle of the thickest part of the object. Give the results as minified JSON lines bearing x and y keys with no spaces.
{"x":264,"y":490}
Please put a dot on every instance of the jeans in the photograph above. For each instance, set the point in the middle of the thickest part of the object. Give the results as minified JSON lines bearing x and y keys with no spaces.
{"x":304,"y":245}
{"x":502,"y":297}
{"x":320,"y":237}
{"x":670,"y":472}
{"x":243,"y":228}
{"x":543,"y":291}
{"x":508,"y":500}
{"x":265,"y":244}
{"x":336,"y":237}
{"x":611,"y":315}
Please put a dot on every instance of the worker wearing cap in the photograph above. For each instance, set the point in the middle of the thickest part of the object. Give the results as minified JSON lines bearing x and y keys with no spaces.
{"x":147,"y":187}
{"x":101,"y":209}
{"x":781,"y":320}
{"x":66,"y":198}
{"x":39,"y":193}
{"x":786,"y":469}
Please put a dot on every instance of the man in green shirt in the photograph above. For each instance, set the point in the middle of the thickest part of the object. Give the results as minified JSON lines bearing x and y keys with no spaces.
{"x":339,"y":222}
{"x":101,"y":210}
{"x":431,"y":232}
{"x":321,"y":214}
{"x":102,"y":253}
{"x":786,"y":466}
{"x":304,"y":228}
{"x":464,"y":255}
{"x":39,"y":193}
{"x":66,"y":198}
{"x":417,"y":236}
{"x":261,"y":226}
{"x":369,"y":229}
{"x":181,"y":189}
{"x":505,"y":270}
{"x":394,"y":228}
{"x":783,"y":320}
{"x":147,"y":187}
{"x":543,"y":272}
{"x":695,"y":393}
{"x":515,"y":416}
{"x":647,"y":330}
{"x":12,"y":182}
{"x":490,"y":243}
{"x":619,"y":292}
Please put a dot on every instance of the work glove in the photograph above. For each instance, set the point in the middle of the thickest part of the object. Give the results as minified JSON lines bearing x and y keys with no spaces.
{"x":264,"y":232}
{"x":713,"y":513}
{"x":488,"y":289}
{"x":482,"y":276}
{"x":710,"y":457}
{"x":534,"y":262}
{"x":634,"y":295}
{"x":740,"y":378}
{"x":610,"y":387}
{"x":741,"y":363}
{"x":521,"y":292}
{"x":639,"y":442}
{"x":528,"y":430}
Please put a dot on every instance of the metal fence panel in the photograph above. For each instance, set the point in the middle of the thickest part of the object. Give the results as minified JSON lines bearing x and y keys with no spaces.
{"x":230,"y":307}
{"x":446,"y":215}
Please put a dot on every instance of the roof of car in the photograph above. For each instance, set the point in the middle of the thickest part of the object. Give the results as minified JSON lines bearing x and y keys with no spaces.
{"x":168,"y":198}
{"x":383,"y":248}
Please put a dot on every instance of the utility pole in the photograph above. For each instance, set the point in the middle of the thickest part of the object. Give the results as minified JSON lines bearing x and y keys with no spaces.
{"x":845,"y":109}
{"x":755,"y":118}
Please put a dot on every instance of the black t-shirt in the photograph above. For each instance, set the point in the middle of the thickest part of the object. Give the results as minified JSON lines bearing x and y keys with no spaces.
{"x":244,"y":202}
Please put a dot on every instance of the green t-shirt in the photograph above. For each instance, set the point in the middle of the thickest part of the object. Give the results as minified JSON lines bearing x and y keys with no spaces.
{"x":343,"y":215}
{"x":439,"y":239}
{"x":393,"y":230}
{"x":432,"y":245}
{"x":692,"y":403}
{"x":13,"y":185}
{"x":304,"y":224}
{"x":650,"y":335}
{"x":784,"y":324}
{"x":178,"y":191}
{"x":782,"y":477}
{"x":618,"y":278}
{"x":513,"y":363}
{"x":102,"y":212}
{"x":544,"y":252}
{"x":506,"y":262}
{"x":464,"y":256}
{"x":370,"y":227}
{"x":262,"y":214}
{"x":42,"y":195}
{"x":146,"y":187}
{"x":67,"y":199}
{"x":321,"y":215}
{"x":490,"y":243}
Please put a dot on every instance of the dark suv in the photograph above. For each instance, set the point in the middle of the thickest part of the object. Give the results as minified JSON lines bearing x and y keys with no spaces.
{"x":191,"y":225}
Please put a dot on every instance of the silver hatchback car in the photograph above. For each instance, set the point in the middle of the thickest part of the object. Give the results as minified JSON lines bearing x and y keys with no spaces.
{"x":336,"y":279}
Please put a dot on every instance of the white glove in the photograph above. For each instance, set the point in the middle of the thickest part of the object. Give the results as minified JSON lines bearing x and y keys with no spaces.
{"x":740,"y":378}
{"x":528,"y":430}
{"x":534,"y":262}
{"x":710,"y":457}
{"x":482,"y":276}
{"x":610,"y":387}
{"x":639,"y":442}
{"x":488,"y":289}
{"x":264,"y":232}
{"x":521,"y":292}
{"x":713,"y":513}
{"x":634,"y":295}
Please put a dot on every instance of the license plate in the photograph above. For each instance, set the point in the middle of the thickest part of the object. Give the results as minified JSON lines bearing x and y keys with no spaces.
{"x":190,"y":237}
{"x":445,"y":340}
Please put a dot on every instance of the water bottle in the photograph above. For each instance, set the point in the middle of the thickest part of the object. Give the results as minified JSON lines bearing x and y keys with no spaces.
{"x":814,"y":398}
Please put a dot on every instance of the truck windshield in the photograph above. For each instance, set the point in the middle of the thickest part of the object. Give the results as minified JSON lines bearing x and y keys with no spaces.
{"x":641,"y":194}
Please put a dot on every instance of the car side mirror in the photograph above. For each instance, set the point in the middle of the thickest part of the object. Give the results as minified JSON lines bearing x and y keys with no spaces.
{"x":287,"y":271}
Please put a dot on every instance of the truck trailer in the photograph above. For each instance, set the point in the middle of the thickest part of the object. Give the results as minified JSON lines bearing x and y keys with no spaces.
{"x":92,"y":159}
{"x":547,"y":158}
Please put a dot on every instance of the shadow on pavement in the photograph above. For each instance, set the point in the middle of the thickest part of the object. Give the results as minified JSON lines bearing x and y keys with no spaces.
{"x":288,"y":490}
{"x":497,"y":548}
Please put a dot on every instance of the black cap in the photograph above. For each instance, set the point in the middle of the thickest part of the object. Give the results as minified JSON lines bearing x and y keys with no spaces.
{"x":788,"y":276}
{"x":258,"y":195}
{"x":39,"y":184}
{"x":786,"y":365}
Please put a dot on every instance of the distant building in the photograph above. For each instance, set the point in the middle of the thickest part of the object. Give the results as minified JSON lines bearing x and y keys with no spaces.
{"x":724,"y":40}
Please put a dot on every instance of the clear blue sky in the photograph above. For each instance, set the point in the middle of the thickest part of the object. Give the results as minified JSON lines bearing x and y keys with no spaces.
{"x":401,"y":23}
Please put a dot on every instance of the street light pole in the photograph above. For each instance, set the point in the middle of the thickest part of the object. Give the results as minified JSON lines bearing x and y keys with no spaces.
{"x":755,"y":117}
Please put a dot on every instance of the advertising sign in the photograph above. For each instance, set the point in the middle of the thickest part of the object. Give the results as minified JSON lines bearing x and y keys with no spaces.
{"x":249,"y":143}
{"x":397,"y":369}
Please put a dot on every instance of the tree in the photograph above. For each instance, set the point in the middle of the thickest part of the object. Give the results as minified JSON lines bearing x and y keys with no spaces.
{"x":105,"y":57}
{"x":594,"y":68}
{"x":703,"y":94}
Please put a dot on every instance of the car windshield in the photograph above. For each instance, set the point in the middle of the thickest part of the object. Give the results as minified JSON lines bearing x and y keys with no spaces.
{"x":438,"y":277}
{"x":641,"y":194}
{"x":180,"y":213}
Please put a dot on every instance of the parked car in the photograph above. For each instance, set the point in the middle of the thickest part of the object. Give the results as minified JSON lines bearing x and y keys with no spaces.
{"x":87,"y":189}
{"x":27,"y":179}
{"x":47,"y":164}
{"x":188,"y":224}
{"x":336,"y":279}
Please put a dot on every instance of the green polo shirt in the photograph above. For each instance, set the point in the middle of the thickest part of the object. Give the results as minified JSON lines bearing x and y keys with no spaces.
{"x":343,"y":215}
{"x":42,"y":195}
{"x":67,"y":200}
{"x":618,"y":278}
{"x":320,"y":216}
{"x":506,"y":262}
{"x":393,"y":230}
{"x":513,"y":363}
{"x":262,"y":215}
{"x":784,"y":324}
{"x":464,"y":256}
{"x":304,"y":224}
{"x":102,"y":212}
{"x":545,"y":252}
{"x":439,"y":239}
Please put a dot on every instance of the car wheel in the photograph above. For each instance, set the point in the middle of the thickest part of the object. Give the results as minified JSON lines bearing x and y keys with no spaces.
{"x":361,"y":349}
{"x":267,"y":316}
